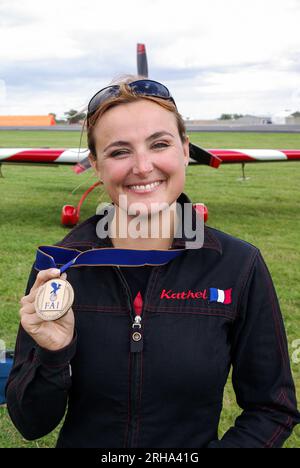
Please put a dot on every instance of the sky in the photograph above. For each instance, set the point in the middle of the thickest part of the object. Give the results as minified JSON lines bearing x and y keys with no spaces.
{"x":215,"y":56}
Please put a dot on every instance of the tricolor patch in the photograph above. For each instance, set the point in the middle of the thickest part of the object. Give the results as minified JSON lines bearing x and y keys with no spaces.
{"x":220,"y":295}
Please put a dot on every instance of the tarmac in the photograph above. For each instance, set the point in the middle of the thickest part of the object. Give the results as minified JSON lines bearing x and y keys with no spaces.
{"x":267,"y":128}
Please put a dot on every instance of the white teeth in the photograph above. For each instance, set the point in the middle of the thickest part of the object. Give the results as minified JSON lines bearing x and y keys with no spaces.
{"x":145,"y":187}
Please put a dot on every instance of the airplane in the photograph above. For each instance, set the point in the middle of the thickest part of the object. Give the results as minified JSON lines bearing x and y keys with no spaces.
{"x":79,"y":157}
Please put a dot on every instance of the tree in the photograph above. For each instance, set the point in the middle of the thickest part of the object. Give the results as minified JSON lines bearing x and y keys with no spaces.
{"x":73,"y":116}
{"x":226,"y":117}
{"x":230,"y":116}
{"x":237,"y":116}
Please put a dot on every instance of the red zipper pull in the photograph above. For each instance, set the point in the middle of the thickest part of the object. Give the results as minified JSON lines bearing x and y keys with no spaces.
{"x":136,"y":342}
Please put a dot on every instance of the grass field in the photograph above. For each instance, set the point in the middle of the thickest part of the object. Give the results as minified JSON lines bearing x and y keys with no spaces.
{"x":264,"y":210}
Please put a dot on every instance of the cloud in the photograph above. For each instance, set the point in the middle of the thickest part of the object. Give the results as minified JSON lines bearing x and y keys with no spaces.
{"x":226,"y":54}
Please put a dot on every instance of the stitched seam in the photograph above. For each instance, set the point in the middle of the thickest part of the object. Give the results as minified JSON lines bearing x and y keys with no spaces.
{"x":280,"y":429}
{"x":206,"y":309}
{"x":129,"y":400}
{"x":279,"y":432}
{"x":150,"y":291}
{"x":288,"y":403}
{"x":211,"y":241}
{"x":199,"y":313}
{"x":190,"y":310}
{"x":279,"y":334}
{"x":155,"y":275}
{"x":140,"y":403}
{"x":245,"y":278}
{"x":88,"y":306}
{"x":141,"y":381}
{"x":100,"y":309}
{"x":268,"y":443}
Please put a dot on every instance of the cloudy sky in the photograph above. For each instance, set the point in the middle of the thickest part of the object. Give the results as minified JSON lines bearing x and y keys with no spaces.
{"x":235,"y":56}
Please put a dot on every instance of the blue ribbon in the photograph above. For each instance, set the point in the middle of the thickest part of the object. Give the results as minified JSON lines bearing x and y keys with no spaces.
{"x":54,"y":257}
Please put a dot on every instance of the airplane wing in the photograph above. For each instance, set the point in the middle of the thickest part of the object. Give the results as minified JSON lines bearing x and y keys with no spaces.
{"x":232,"y":156}
{"x":43,"y":155}
{"x":210,"y":157}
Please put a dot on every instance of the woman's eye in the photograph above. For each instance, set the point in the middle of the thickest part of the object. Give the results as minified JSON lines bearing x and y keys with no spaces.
{"x":160,"y":144}
{"x":119,"y":153}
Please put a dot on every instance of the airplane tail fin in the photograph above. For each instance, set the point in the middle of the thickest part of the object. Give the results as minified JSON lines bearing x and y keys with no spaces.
{"x":202,"y":156}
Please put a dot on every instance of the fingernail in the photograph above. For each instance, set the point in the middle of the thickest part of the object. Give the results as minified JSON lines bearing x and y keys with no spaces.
{"x":55,"y":271}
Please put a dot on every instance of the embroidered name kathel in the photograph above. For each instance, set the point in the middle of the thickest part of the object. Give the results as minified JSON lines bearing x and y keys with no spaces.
{"x":223,"y":296}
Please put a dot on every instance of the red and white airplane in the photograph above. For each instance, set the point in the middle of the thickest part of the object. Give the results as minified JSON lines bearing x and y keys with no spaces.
{"x":79,"y":157}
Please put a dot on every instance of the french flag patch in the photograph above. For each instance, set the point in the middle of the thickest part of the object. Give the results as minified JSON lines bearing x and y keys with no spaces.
{"x":220,"y":295}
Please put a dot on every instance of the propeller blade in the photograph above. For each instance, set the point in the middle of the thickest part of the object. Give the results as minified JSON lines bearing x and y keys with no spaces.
{"x":142,"y":65}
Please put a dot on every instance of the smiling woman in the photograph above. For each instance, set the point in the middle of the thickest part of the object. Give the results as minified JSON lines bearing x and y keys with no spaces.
{"x":141,"y":158}
{"x":142,"y":357}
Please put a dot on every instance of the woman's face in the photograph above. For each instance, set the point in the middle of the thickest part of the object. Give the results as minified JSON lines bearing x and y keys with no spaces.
{"x":140,"y":154}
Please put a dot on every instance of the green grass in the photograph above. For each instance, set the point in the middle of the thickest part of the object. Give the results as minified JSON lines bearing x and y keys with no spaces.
{"x":61,"y":139}
{"x":263,"y":210}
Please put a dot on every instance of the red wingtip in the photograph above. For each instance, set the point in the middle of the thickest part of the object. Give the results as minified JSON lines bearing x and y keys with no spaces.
{"x":78,"y":169}
{"x":215,"y":161}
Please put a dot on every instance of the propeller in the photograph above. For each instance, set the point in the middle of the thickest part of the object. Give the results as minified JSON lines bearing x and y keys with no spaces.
{"x":198,"y":154}
{"x":142,"y":65}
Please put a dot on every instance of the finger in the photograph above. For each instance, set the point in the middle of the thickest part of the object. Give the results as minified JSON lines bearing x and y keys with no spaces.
{"x":31,"y":296}
{"x":24,"y":300}
{"x":44,"y":276}
{"x":29,"y":320}
{"x":27,"y":309}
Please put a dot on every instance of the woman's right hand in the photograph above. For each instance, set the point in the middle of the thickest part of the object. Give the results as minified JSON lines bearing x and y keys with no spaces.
{"x":51,"y":335}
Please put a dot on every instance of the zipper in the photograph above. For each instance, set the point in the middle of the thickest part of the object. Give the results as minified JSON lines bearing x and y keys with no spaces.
{"x":135,"y":358}
{"x":136,"y":347}
{"x":136,"y":338}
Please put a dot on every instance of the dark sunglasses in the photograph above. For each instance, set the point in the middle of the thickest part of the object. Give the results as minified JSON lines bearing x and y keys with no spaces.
{"x":140,"y":87}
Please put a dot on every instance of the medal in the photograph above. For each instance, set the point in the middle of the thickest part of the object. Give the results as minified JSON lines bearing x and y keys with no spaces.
{"x":54,"y":299}
{"x":56,"y":296}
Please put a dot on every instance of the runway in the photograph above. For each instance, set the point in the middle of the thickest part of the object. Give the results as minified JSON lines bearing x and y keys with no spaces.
{"x":271,"y":128}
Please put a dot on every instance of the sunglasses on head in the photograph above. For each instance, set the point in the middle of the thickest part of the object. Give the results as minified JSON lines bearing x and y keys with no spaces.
{"x":139,"y":87}
{"x":150,"y":88}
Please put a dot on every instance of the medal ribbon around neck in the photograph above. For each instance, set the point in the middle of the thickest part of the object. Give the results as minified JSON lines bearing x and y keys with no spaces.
{"x":62,"y":258}
{"x":55,"y":297}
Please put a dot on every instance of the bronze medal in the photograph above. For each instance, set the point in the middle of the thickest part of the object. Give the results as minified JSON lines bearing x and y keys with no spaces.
{"x":54,"y":299}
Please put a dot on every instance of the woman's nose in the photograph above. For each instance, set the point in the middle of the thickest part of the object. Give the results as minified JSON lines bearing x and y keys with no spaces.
{"x":142,"y":164}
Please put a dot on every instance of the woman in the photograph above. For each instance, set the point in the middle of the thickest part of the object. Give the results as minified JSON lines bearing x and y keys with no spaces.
{"x":146,"y":358}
